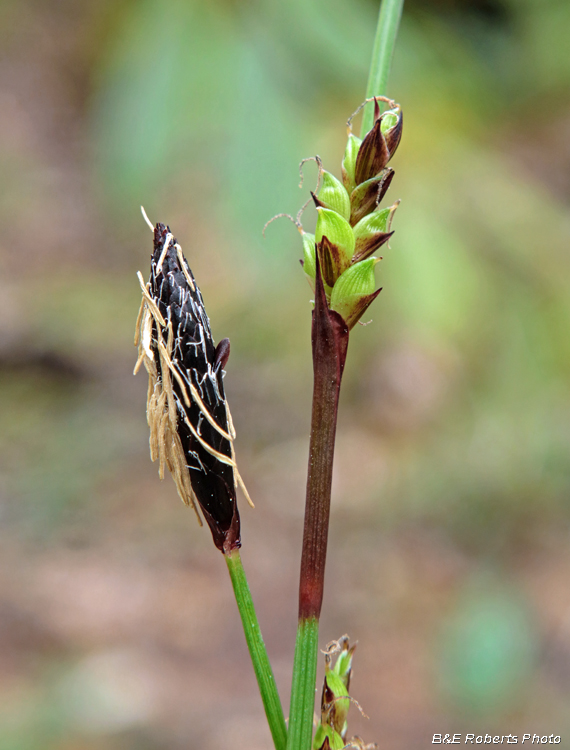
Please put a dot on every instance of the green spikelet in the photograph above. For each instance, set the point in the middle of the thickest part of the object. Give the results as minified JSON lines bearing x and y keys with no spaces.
{"x":351,"y":226}
{"x":335,"y":700}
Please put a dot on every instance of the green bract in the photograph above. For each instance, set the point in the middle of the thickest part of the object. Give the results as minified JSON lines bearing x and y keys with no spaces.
{"x":378,"y":221}
{"x":333,"y":195}
{"x":389,"y":119}
{"x":349,"y":162}
{"x":335,"y":702}
{"x":356,"y":281}
{"x":335,"y":740}
{"x":372,"y":232}
{"x":338,"y":232}
{"x":309,"y":264}
{"x":343,"y":665}
{"x":354,"y":291}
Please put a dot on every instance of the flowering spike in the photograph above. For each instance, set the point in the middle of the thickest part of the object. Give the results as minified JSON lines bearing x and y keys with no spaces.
{"x":335,"y":702}
{"x":350,"y":224}
{"x":191,"y":429}
{"x":343,"y":664}
{"x":335,"y":699}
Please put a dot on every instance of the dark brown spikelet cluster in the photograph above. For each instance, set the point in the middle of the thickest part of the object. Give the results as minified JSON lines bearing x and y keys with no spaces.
{"x":191,"y":430}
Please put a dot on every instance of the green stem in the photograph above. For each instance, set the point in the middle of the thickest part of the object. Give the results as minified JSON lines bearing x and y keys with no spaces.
{"x":384,"y":43}
{"x":303,"y":687}
{"x":259,"y":658}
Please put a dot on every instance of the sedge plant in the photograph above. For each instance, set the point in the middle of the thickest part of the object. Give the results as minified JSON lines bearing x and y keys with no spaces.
{"x":191,"y":429}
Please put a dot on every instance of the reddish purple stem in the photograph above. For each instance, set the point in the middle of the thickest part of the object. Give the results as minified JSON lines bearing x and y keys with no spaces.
{"x":330,"y":342}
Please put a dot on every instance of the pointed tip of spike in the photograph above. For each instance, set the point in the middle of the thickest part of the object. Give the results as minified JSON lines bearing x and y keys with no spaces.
{"x":317,"y":201}
{"x":376,"y":109}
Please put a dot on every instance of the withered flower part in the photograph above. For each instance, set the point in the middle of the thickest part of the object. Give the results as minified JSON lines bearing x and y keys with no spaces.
{"x":368,"y":245}
{"x":372,"y":232}
{"x":379,"y":145}
{"x":373,"y":155}
{"x":393,"y":134}
{"x":191,"y":429}
{"x":331,"y":260}
{"x":367,"y":196}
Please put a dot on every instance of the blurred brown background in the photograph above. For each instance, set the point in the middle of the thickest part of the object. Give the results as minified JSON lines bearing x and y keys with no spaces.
{"x":449,"y":556}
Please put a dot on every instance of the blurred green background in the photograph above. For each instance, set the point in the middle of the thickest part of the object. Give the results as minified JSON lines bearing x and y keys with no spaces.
{"x":449,"y":556}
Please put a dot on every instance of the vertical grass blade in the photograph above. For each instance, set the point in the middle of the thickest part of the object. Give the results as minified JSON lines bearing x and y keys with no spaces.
{"x":303,"y":687}
{"x":382,"y":52}
{"x":257,"y":651}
